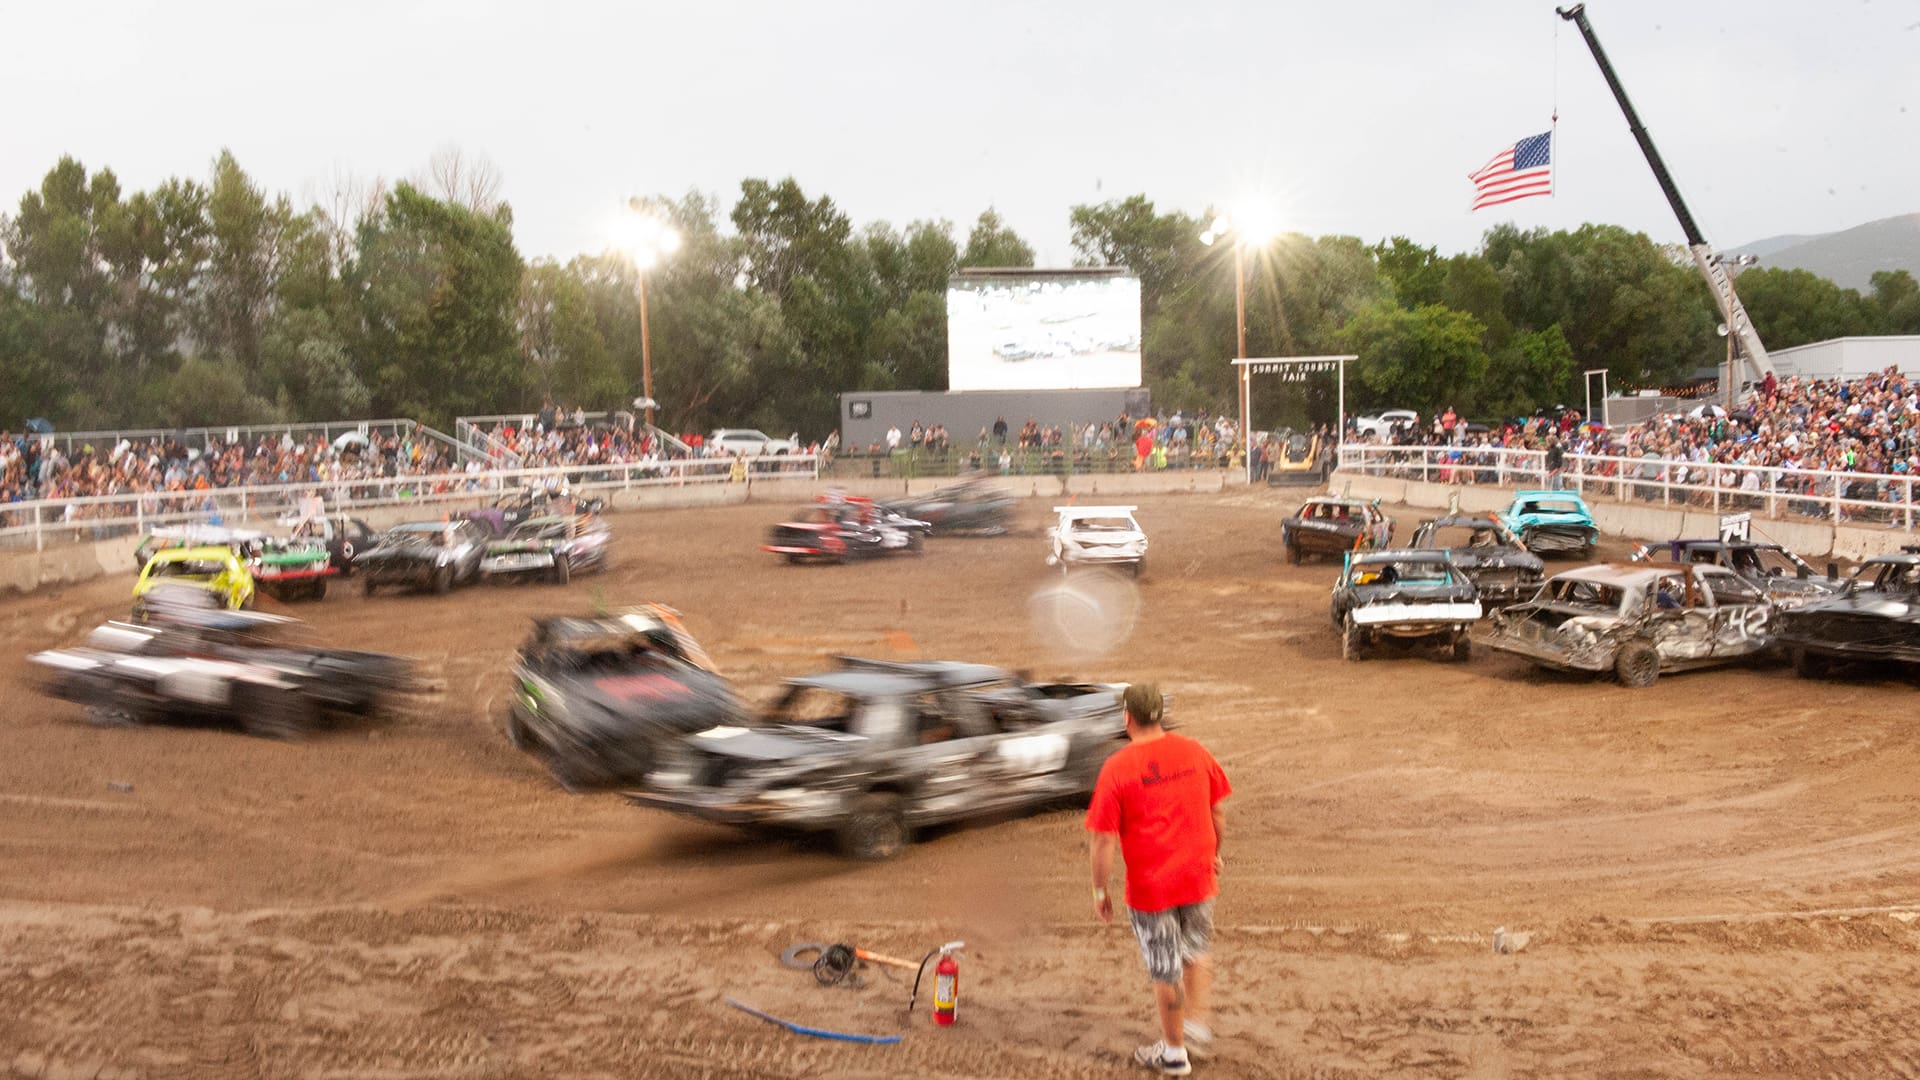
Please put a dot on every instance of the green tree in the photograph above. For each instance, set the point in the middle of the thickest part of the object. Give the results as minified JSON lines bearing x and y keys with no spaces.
{"x":1795,"y":307}
{"x":1431,"y":354}
{"x":1896,"y":301}
{"x":994,"y":243}
{"x":566,"y":357}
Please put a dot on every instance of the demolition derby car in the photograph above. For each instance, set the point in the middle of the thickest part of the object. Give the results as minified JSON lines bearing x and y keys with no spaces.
{"x":433,"y":555}
{"x":972,"y":507}
{"x":1552,"y":523}
{"x":523,"y":504}
{"x":550,"y":547}
{"x":596,"y":697}
{"x":1877,"y":617}
{"x":838,"y":528}
{"x":1503,"y":571}
{"x":285,"y":569}
{"x":1637,"y":621}
{"x":1408,"y":595}
{"x":1086,"y":536}
{"x":876,"y":749}
{"x":196,"y":663}
{"x":1785,"y":577}
{"x":342,"y":536}
{"x":213,"y":570}
{"x":1334,"y":525}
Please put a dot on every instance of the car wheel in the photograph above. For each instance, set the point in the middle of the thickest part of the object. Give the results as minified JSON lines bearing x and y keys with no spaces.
{"x":793,"y":560}
{"x":276,"y":714}
{"x":875,"y":828}
{"x":442,"y":580}
{"x":1462,"y":647}
{"x":1636,"y":664}
{"x":1293,"y":554}
{"x":318,"y":592}
{"x":367,"y":586}
{"x":916,"y":543}
{"x":517,"y":734}
{"x":1352,"y":645}
{"x":1139,"y":569}
{"x":346,"y":558}
{"x":1811,"y":665}
{"x":562,"y":569}
{"x":114,"y":715}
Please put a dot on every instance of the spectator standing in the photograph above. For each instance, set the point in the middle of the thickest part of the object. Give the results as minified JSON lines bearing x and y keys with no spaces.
{"x":1157,"y":802}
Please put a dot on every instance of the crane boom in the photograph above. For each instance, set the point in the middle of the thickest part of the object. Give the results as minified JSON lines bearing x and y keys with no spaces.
{"x":1710,"y":265}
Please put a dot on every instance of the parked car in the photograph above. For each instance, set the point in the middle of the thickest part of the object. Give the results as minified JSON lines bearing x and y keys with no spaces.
{"x":1404,"y":595}
{"x":436,"y":555}
{"x":837,"y":528}
{"x":1334,"y":525}
{"x":214,"y":570}
{"x":1638,"y":621}
{"x":199,"y":664}
{"x":877,"y":749}
{"x":1096,"y":536}
{"x":974,"y":507}
{"x":1299,"y":458}
{"x":1876,"y":618}
{"x":1382,"y":426}
{"x":596,"y":697}
{"x":748,"y":443}
{"x":554,"y":548}
{"x":1786,"y":578}
{"x":1552,"y":523}
{"x":1503,"y":571}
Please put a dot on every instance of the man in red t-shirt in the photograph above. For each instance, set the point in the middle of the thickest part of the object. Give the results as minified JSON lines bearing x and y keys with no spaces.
{"x":1158,"y":802}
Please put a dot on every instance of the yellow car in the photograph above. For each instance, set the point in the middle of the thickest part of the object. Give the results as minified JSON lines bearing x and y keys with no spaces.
{"x":214,"y":570}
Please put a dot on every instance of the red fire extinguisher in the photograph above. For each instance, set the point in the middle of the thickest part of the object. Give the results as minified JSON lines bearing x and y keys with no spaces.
{"x":946,"y":982}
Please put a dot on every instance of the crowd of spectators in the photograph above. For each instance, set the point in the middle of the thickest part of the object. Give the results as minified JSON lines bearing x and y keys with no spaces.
{"x":1163,"y":441}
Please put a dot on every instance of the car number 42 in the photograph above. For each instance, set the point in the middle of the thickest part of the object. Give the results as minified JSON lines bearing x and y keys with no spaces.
{"x":1033,"y":754}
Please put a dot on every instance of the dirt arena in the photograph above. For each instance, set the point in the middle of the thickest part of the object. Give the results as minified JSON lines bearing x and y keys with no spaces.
{"x":1720,"y":875}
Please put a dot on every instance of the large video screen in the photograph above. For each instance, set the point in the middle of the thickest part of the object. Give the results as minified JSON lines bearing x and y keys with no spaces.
{"x":1046,"y":332}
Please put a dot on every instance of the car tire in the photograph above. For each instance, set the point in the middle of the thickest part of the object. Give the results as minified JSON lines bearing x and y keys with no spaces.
{"x":1636,"y":664}
{"x":346,"y":558}
{"x":1293,"y":554}
{"x":318,"y":592}
{"x":517,"y":735}
{"x":916,"y":543}
{"x":1139,"y":569}
{"x":442,"y":580}
{"x":875,"y":828}
{"x":1352,"y":645}
{"x":1809,"y":665}
{"x":367,"y":586}
{"x":1462,"y":650}
{"x":562,"y":569}
{"x":276,"y":714}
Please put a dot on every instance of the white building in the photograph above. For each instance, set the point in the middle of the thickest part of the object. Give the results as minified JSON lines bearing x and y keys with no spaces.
{"x":1848,"y":357}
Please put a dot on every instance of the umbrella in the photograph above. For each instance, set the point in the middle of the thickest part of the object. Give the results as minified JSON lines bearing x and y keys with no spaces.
{"x":39,"y":425}
{"x":351,"y":438}
{"x":1707,"y":410}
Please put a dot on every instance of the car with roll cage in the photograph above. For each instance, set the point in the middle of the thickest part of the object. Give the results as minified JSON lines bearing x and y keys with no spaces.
{"x":1503,"y":571}
{"x":875,"y":749}
{"x":841,"y":527}
{"x":434,"y":555}
{"x":1786,"y":578}
{"x":972,"y":507}
{"x":1097,"y":536}
{"x":285,"y":568}
{"x":1552,"y":523}
{"x":551,"y":547}
{"x":1408,"y":596}
{"x":1876,"y":617}
{"x":1638,"y":621}
{"x":1333,"y":525}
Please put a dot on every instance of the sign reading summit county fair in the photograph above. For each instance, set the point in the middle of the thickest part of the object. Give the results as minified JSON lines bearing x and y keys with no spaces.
{"x":1043,"y":330}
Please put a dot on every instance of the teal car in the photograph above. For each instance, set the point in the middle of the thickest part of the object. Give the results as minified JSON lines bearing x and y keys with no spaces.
{"x":1552,"y":523}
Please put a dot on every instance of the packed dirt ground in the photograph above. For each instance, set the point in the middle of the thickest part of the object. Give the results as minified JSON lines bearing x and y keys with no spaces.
{"x":1718,"y":875}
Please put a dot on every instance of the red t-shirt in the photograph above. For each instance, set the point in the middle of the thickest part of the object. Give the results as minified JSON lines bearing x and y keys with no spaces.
{"x":1143,"y":445}
{"x":1159,"y":795}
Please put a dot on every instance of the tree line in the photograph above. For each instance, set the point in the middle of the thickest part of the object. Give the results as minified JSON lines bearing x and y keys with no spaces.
{"x":216,"y":302}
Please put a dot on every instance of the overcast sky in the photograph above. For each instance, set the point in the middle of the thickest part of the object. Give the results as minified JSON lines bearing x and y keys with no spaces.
{"x":1776,"y":116}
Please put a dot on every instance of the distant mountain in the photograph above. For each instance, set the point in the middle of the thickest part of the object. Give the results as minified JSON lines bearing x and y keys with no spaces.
{"x":1846,"y":258}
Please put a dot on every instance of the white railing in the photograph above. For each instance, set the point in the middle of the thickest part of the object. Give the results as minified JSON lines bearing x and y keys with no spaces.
{"x":1820,"y":494}
{"x":104,"y":517}
{"x":200,"y":437}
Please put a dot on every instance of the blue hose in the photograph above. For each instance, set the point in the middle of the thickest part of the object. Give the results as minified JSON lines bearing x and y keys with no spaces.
{"x":818,"y":1033}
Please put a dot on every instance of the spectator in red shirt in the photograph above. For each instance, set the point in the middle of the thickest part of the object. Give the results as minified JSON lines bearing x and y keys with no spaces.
{"x":1157,"y":802}
{"x":1142,"y":449}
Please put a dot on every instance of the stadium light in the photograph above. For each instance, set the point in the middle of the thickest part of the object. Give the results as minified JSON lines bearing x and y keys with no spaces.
{"x":647,"y":240}
{"x":1223,"y":228}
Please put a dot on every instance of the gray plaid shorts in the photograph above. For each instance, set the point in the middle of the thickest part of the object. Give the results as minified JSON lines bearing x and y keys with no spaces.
{"x":1170,"y":938}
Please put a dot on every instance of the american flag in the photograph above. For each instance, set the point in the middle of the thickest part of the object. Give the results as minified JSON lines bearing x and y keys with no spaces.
{"x":1521,"y":170}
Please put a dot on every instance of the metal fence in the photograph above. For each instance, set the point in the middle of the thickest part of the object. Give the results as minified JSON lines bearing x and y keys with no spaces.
{"x":200,"y":438}
{"x":1042,"y":461}
{"x":1815,"y":494}
{"x":103,"y":517}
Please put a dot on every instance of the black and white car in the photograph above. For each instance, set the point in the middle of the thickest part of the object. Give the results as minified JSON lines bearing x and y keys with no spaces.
{"x":434,"y":555}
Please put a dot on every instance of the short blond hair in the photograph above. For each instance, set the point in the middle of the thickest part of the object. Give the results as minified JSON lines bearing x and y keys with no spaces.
{"x":1143,"y":703}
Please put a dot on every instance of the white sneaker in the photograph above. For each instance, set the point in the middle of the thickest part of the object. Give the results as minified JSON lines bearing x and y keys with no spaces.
{"x":1158,"y":1057}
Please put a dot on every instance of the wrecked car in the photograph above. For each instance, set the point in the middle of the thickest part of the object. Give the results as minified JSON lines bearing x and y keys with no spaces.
{"x":597,"y":696}
{"x":841,"y":527}
{"x":973,"y":507}
{"x":1785,"y":577}
{"x":1334,"y":525}
{"x":1503,"y":571}
{"x":1088,"y":536}
{"x":1877,"y":617}
{"x":192,"y":662}
{"x":553,"y":548}
{"x":1638,"y":621}
{"x":1552,"y":523}
{"x":876,"y":749}
{"x":434,"y":555}
{"x":1407,"y":596}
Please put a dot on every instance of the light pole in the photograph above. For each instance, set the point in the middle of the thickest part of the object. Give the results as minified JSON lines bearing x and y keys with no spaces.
{"x":649,"y":240}
{"x":1242,"y":234}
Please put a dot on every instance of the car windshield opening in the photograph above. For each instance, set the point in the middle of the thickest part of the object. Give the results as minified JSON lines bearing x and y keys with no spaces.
{"x":1591,"y":594}
{"x":1104,"y":524}
{"x":813,"y":706}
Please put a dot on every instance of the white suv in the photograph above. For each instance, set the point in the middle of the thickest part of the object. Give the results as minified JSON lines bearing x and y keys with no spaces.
{"x":747,"y":443}
{"x":1381,"y":427}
